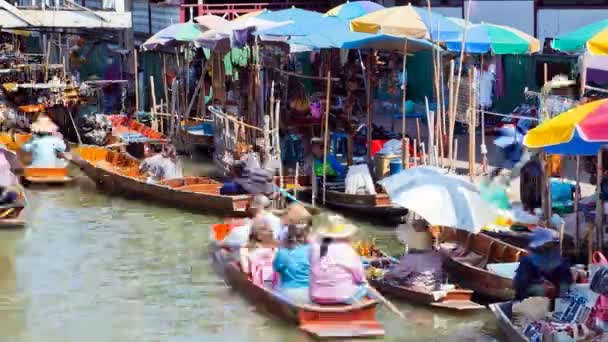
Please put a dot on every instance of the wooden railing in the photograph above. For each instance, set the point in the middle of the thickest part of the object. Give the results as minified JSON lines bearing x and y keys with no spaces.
{"x":232,"y":11}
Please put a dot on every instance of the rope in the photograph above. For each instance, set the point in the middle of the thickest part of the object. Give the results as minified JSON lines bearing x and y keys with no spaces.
{"x":508,"y":115}
{"x":318,"y":78}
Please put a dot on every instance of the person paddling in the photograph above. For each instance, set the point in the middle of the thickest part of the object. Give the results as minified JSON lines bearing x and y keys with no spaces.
{"x":543,"y":272}
{"x":336,"y":270}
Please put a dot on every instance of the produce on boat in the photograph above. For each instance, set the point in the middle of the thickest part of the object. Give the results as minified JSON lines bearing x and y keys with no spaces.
{"x":118,"y":173}
{"x":13,"y":215}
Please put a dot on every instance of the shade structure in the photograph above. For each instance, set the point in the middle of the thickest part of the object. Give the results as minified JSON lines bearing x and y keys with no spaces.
{"x":174,"y":34}
{"x":354,"y":9}
{"x":407,"y":21}
{"x":441,"y":199}
{"x":210,"y":21}
{"x":579,"y":131}
{"x":592,"y":37}
{"x":222,"y":33}
{"x":489,"y":38}
{"x":316,"y":31}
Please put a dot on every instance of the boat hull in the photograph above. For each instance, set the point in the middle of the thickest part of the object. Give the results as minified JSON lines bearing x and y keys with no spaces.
{"x":14,"y":219}
{"x":504,"y":323}
{"x":195,"y":194}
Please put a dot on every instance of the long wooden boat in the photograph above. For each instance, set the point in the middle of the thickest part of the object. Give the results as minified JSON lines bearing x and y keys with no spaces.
{"x":522,"y":239}
{"x":14,"y":141}
{"x":471,"y":272}
{"x":46,"y":176}
{"x":13,"y":216}
{"x":118,"y":173}
{"x":130,"y":131}
{"x":322,"y":321}
{"x":197,"y":134}
{"x":458,"y":300}
{"x":502,"y":313}
{"x":376,"y":207}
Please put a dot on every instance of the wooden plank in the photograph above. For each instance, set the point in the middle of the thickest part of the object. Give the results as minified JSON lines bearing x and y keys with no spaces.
{"x":356,"y":329}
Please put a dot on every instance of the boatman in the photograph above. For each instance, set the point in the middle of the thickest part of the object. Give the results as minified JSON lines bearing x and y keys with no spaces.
{"x":543,"y":273}
{"x":45,"y":145}
{"x":333,"y":170}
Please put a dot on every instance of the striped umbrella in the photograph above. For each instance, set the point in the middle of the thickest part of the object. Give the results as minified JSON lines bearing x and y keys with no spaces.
{"x":407,"y":21}
{"x":592,"y":37}
{"x":490,"y":38}
{"x":579,"y":131}
{"x":354,"y":9}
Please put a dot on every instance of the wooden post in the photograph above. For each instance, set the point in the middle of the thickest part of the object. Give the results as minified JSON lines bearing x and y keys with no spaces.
{"x":369,"y":108}
{"x":326,"y":132}
{"x":403,"y":127}
{"x":452,"y":117}
{"x":165,"y":86}
{"x":471,"y":128}
{"x":583,"y":75}
{"x":598,"y":202}
{"x":296,"y":182}
{"x":415,"y":153}
{"x":153,"y":93}
{"x":135,"y":62}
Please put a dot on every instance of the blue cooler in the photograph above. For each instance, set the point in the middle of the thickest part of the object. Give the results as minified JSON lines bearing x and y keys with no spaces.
{"x":395,"y":166}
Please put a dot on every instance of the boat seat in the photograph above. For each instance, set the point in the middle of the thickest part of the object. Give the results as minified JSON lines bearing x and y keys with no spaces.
{"x":202,"y":188}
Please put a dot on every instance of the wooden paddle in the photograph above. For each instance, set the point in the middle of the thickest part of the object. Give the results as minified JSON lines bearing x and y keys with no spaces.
{"x":386,"y":302}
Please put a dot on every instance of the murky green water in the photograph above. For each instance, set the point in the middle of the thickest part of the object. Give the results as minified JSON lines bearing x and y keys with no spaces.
{"x":95,"y":268}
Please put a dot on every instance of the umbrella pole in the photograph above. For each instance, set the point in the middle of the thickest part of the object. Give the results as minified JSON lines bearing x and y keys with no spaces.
{"x":598,"y":201}
{"x":326,"y":132}
{"x":583,"y":76}
{"x":403,"y":127}
{"x":577,"y":198}
{"x":451,"y":117}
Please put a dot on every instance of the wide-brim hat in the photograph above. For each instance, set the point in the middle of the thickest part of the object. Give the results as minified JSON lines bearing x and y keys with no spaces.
{"x":260,"y":202}
{"x":541,"y":237}
{"x":43,"y":125}
{"x":336,"y":228}
{"x":296,"y":214}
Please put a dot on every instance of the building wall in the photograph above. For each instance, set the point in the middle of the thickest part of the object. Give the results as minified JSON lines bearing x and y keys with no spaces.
{"x":518,"y":14}
{"x":552,"y":22}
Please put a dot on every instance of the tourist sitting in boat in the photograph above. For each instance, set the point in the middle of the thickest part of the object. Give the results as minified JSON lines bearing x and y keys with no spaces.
{"x":256,"y":257}
{"x":542,"y":273}
{"x":336,"y":270}
{"x":260,"y":206}
{"x":296,"y":214}
{"x":161,"y":166}
{"x":45,"y":146}
{"x":333,"y":170}
{"x":8,"y":181}
{"x":292,"y":264}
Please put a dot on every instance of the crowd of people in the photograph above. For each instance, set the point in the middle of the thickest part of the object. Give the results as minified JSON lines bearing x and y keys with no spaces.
{"x":304,"y":267}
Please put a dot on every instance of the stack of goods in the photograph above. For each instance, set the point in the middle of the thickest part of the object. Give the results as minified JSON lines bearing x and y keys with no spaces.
{"x":421,"y":271}
{"x":96,"y":129}
{"x":368,"y":249}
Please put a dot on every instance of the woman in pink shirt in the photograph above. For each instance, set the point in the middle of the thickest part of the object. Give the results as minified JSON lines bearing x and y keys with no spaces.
{"x":336,"y":270}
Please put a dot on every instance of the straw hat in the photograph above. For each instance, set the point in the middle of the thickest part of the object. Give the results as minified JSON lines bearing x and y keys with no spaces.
{"x":336,"y":228}
{"x":296,"y":214}
{"x":43,"y":125}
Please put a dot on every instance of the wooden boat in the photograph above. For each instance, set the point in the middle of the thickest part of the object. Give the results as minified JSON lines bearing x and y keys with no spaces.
{"x":376,"y":207}
{"x":46,"y":176}
{"x":344,"y":321}
{"x":118,"y":173}
{"x":470,"y":270}
{"x":454,"y":300}
{"x":130,"y":131}
{"x":197,"y":134}
{"x":13,"y":216}
{"x":14,"y":141}
{"x":522,"y":239}
{"x":502,"y":313}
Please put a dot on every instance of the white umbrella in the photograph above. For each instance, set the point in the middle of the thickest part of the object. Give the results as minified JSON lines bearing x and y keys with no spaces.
{"x":441,"y":199}
{"x":221,"y":32}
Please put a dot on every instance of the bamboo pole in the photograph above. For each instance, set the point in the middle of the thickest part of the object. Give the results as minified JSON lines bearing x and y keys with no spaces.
{"x":153,"y":93}
{"x":135,"y":62}
{"x":452,"y":118}
{"x":278,"y":141}
{"x":326,"y":132}
{"x":47,"y":61}
{"x":369,"y":111}
{"x":460,"y":62}
{"x":583,"y":75}
{"x":415,"y":153}
{"x":403,"y":127}
{"x":165,"y":87}
{"x":471,"y":128}
{"x":598,"y":202}
{"x":297,"y":181}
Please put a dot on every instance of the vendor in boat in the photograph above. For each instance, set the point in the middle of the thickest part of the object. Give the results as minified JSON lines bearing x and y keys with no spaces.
{"x":8,"y":180}
{"x":45,"y":146}
{"x":292,"y":264}
{"x":257,"y":255}
{"x":162,"y":166}
{"x":531,"y":183}
{"x":333,"y":170}
{"x":336,"y":270}
{"x":543,"y":272}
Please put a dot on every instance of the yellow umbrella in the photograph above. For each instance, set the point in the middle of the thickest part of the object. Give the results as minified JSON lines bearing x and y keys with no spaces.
{"x":24,"y":33}
{"x":407,"y":21}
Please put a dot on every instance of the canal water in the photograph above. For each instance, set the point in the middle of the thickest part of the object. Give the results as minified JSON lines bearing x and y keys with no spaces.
{"x":90,"y":267}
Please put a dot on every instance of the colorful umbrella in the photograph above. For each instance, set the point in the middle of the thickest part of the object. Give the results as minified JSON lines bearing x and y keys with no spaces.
{"x":579,"y":131}
{"x":407,"y":21}
{"x":303,"y":21}
{"x":352,"y":10}
{"x":593,"y":37}
{"x":497,"y":39}
{"x":174,"y":34}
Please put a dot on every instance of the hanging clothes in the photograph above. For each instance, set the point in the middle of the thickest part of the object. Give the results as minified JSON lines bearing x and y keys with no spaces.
{"x":485,"y":86}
